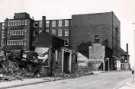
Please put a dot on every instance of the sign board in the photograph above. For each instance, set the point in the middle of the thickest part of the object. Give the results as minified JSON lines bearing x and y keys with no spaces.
{"x":42,"y":53}
{"x":96,"y":52}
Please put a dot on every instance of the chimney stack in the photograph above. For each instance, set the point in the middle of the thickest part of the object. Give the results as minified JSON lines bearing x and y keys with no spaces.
{"x":43,"y":23}
{"x":127,"y":47}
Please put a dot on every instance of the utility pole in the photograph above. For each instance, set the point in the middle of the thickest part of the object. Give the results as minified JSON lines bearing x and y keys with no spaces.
{"x":134,"y":45}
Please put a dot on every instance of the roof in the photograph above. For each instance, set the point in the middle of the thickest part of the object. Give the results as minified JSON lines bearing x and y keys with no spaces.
{"x":122,"y":52}
{"x":47,"y":40}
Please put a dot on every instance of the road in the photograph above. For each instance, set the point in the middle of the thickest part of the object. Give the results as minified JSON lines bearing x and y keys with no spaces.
{"x":129,"y":85}
{"x":107,"y":80}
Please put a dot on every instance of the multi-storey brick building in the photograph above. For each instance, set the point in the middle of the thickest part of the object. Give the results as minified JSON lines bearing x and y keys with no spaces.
{"x":2,"y":34}
{"x":18,"y":32}
{"x":60,"y":28}
{"x":103,"y":28}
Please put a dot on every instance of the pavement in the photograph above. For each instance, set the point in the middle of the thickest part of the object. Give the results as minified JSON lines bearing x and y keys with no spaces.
{"x":105,"y":80}
{"x":25,"y":82}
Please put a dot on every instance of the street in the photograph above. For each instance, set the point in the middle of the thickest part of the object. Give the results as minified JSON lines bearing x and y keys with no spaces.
{"x":106,"y":80}
{"x":129,"y":85}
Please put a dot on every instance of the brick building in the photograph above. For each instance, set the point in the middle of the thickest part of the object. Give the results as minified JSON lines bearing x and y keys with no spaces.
{"x":2,"y":34}
{"x":59,"y":27}
{"x":18,"y":33}
{"x":103,"y":28}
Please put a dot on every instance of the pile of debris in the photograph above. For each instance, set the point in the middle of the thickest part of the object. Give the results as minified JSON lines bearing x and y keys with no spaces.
{"x":14,"y":67}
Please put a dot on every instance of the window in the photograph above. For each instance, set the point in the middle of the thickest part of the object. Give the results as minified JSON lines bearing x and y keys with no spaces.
{"x":15,"y":32}
{"x":3,"y":25}
{"x":19,"y":23}
{"x":23,"y":22}
{"x":60,"y":23}
{"x":19,"y":32}
{"x":24,"y":43}
{"x":54,"y":31}
{"x":15,"y":42}
{"x":66,"y":32}
{"x":3,"y":35}
{"x":66,"y":42}
{"x":47,"y":30}
{"x":96,"y":39}
{"x":26,"y":22}
{"x":22,"y":32}
{"x":47,"y":23}
{"x":16,"y":22}
{"x":7,"y":42}
{"x":66,"y":22}
{"x":9,"y":32}
{"x":20,"y":42}
{"x":53,"y":23}
{"x":11,"y":42}
{"x":9,"y":23}
{"x":59,"y":32}
{"x":40,"y":24}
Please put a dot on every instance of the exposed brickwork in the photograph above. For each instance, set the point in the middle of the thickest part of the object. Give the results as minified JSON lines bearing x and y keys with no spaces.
{"x":86,"y":27}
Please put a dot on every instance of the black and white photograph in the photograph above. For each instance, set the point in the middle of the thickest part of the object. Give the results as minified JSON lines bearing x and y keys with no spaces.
{"x":67,"y":44}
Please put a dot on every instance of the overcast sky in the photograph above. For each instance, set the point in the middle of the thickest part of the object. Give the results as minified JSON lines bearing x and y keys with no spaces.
{"x":57,"y":9}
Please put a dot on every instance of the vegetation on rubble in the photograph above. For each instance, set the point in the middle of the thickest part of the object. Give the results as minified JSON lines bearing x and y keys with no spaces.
{"x":13,"y":64}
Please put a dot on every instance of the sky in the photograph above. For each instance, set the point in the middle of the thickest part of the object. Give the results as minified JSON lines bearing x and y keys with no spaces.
{"x":63,"y":9}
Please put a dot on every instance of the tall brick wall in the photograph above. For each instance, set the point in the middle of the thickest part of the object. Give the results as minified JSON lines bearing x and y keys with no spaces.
{"x":85,"y":27}
{"x":116,"y":34}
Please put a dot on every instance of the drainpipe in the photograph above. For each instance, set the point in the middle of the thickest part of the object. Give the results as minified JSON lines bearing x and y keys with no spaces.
{"x":127,"y":47}
{"x":127,"y":55}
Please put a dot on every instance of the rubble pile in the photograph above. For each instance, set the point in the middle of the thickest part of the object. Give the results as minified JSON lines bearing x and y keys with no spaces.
{"x":13,"y":66}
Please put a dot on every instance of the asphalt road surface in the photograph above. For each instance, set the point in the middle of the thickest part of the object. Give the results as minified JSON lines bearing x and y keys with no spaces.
{"x":107,"y":80}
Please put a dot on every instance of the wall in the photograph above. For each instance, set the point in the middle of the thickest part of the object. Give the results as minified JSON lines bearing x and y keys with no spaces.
{"x":85,"y":27}
{"x":116,"y":35}
{"x":96,"y":52}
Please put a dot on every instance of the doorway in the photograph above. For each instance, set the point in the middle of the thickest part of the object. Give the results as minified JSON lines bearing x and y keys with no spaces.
{"x":66,"y":62}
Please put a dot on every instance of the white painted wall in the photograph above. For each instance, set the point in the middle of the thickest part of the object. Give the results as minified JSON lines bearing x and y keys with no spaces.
{"x":96,"y":52}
